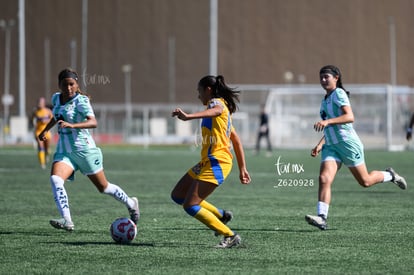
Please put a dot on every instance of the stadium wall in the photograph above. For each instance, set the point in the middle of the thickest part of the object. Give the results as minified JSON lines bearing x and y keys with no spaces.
{"x":258,"y":42}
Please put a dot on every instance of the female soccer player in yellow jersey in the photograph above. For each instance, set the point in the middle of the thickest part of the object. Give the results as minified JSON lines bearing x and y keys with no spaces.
{"x":202,"y":179}
{"x":41,"y":117}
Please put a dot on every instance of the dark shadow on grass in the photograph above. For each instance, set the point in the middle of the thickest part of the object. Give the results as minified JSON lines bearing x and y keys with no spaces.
{"x":197,"y":245}
{"x":257,"y":230}
{"x":133,"y":244}
{"x":179,"y":229}
{"x":26,"y":233}
{"x":101,"y":243}
{"x":284,"y":230}
{"x":178,"y":244}
{"x":363,"y":191}
{"x":311,"y":230}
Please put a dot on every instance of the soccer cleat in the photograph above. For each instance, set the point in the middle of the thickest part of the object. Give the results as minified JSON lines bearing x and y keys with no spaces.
{"x":397,"y":179}
{"x":227,"y":216}
{"x":318,"y":221}
{"x":229,"y":242}
{"x":62,"y":224}
{"x":134,"y":211}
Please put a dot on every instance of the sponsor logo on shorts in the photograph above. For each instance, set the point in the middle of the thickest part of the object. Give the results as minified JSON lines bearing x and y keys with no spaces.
{"x":197,"y":169}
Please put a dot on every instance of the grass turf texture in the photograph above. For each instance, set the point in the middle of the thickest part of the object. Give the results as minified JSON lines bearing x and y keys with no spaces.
{"x":370,"y":230}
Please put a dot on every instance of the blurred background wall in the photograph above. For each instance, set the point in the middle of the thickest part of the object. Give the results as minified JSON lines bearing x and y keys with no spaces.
{"x":166,"y":42}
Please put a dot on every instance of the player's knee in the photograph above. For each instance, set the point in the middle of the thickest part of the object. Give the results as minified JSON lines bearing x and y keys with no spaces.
{"x":177,"y":200}
{"x":325,"y":179}
{"x":364,"y":183}
{"x":192,"y":210}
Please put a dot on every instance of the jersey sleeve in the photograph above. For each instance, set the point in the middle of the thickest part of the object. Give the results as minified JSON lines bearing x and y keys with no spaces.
{"x":341,"y":98}
{"x":55,"y":98}
{"x":214,"y":102}
{"x":85,"y":107}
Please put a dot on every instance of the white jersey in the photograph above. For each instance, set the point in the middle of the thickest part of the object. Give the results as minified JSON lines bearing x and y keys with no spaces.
{"x":331,"y":108}
{"x":74,"y":111}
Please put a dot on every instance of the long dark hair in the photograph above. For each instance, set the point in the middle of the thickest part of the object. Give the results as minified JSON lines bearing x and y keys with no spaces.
{"x":333,"y":70}
{"x":220,"y":89}
{"x":70,"y":73}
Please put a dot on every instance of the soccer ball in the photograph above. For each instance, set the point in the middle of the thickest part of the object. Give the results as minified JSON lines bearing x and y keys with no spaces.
{"x":123,"y":230}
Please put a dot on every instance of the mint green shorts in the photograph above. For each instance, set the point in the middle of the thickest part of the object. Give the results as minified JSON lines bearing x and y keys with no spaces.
{"x":89,"y":162}
{"x":350,"y":153}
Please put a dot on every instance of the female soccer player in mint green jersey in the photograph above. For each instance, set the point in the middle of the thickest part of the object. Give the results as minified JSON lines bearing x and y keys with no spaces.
{"x":76,"y":150}
{"x":340,"y":144}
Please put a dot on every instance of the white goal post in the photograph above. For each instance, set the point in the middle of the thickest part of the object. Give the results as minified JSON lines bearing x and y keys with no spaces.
{"x":381,"y":113}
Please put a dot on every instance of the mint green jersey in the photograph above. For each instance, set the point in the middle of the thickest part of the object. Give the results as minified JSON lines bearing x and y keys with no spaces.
{"x":74,"y":111}
{"x":331,"y":108}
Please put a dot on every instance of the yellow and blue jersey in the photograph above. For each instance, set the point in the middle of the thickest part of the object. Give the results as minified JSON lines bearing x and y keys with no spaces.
{"x":41,"y":117}
{"x":215,"y":132}
{"x":216,"y":157}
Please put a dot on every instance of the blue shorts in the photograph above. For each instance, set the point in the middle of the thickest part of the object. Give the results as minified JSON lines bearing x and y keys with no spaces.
{"x":350,"y":153}
{"x":89,"y":162}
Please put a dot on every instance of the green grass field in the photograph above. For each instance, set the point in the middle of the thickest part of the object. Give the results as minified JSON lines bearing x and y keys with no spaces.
{"x":370,"y":230}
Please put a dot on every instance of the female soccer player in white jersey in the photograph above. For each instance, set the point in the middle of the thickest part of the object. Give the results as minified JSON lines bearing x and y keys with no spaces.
{"x":76,"y":149}
{"x":202,"y":179}
{"x":340,"y":144}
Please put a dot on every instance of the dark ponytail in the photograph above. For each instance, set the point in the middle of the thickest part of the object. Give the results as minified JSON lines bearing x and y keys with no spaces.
{"x":221,"y":90}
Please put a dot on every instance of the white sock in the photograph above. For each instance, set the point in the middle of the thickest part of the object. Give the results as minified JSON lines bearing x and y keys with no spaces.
{"x":387,"y":176}
{"x":322,"y":209}
{"x":119,"y":194}
{"x":61,"y":197}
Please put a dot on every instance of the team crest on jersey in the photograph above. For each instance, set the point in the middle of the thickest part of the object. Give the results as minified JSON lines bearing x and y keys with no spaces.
{"x":70,"y":107}
{"x":197,"y":168}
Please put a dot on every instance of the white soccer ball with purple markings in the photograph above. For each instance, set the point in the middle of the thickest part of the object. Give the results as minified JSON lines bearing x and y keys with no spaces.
{"x":123,"y":230}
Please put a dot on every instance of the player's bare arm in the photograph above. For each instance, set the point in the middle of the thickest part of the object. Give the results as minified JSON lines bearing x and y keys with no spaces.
{"x":346,"y":117}
{"x":315,"y":151}
{"x":238,"y":150}
{"x":42,"y":135}
{"x":213,"y":112}
{"x":89,"y":123}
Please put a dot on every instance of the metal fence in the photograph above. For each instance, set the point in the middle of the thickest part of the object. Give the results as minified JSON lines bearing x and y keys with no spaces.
{"x":381,"y":116}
